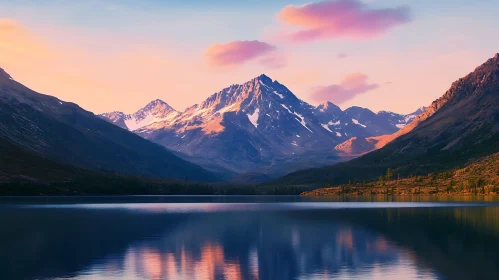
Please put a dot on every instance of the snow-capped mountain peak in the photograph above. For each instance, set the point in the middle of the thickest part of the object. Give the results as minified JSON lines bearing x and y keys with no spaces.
{"x":329,"y":108}
{"x":157,"y":108}
{"x":157,"y":104}
{"x":260,"y":103}
{"x":155,"y":111}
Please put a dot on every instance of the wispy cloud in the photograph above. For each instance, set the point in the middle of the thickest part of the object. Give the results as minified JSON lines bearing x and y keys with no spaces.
{"x":352,"y":85}
{"x":351,"y":19}
{"x":237,"y":52}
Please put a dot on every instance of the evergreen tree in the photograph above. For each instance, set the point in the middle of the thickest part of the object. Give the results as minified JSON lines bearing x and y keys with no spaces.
{"x":388,"y":174}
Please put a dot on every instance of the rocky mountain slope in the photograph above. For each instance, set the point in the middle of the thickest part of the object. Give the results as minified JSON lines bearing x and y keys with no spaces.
{"x":63,"y":131}
{"x":461,"y":125}
{"x":260,"y":126}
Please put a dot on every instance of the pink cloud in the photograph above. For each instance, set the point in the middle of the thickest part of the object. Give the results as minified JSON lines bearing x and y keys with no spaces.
{"x":341,"y":19}
{"x":236,"y":52}
{"x":351,"y":86}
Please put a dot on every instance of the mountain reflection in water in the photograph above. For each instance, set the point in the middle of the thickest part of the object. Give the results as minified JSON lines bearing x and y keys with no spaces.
{"x":119,"y":243}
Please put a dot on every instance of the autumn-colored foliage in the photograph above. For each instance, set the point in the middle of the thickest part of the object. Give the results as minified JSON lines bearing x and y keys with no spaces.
{"x":480,"y":177}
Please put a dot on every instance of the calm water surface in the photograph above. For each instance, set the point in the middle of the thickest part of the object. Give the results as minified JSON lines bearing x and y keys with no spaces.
{"x":248,"y":238}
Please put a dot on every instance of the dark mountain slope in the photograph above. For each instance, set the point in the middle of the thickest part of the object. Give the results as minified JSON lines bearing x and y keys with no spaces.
{"x":18,"y":163}
{"x":461,"y":125}
{"x":67,"y":133}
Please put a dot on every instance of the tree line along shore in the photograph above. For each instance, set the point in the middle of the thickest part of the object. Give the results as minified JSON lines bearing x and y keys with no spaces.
{"x":478,"y":178}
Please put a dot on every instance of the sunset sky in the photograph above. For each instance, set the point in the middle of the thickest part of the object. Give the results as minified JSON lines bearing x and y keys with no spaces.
{"x":111,"y":55}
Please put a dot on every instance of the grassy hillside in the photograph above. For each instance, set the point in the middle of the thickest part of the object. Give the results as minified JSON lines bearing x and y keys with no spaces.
{"x":478,"y":178}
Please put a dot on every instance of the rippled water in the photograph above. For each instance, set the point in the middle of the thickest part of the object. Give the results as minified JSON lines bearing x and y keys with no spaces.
{"x":248,"y":238}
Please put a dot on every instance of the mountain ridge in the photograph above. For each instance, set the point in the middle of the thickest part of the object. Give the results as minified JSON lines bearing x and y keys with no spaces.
{"x":262,"y":120}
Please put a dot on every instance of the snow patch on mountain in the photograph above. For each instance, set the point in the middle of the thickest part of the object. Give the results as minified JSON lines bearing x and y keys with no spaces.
{"x":358,"y":123}
{"x":278,"y":94}
{"x":133,"y":123}
{"x":253,"y":118}
{"x":231,"y":108}
{"x":302,"y":121}
{"x":285,"y":107}
{"x":409,"y":118}
{"x":326,"y":127}
{"x":263,"y":84}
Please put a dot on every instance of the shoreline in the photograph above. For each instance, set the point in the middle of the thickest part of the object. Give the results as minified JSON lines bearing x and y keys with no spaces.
{"x":347,"y":190}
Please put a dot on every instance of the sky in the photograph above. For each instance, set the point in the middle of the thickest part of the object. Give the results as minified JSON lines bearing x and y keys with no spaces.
{"x":108,"y":55}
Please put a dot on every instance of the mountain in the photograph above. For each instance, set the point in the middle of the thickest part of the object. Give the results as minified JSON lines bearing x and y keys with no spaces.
{"x":64,"y":132}
{"x":361,"y":145}
{"x":260,"y":126}
{"x":155,"y":111}
{"x":244,"y":126}
{"x":458,"y":127}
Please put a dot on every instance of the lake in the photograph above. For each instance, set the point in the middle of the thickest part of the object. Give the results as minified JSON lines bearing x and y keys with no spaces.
{"x":240,"y":237}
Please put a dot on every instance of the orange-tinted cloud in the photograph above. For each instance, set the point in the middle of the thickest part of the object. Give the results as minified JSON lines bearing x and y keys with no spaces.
{"x":350,"y":19}
{"x":351,"y":86}
{"x":237,"y":52}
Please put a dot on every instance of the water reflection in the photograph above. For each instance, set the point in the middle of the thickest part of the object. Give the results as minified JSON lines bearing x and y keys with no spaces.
{"x":241,"y":246}
{"x":87,"y":243}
